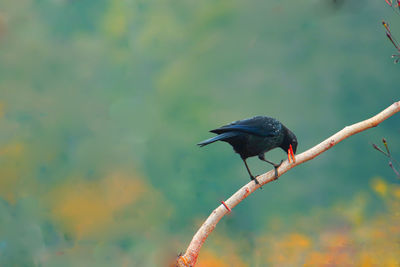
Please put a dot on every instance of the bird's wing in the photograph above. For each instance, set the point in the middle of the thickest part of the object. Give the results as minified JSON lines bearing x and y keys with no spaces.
{"x":261,"y":126}
{"x":220,"y":137}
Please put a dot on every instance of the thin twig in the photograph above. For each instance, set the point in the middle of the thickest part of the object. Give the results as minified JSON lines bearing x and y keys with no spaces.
{"x":190,"y":257}
{"x":388,"y":155}
{"x":394,"y":169}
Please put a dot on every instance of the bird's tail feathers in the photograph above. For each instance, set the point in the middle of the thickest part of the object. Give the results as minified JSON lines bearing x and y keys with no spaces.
{"x":220,"y":137}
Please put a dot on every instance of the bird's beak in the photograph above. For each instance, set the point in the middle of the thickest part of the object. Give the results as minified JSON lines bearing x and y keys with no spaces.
{"x":291,"y":154}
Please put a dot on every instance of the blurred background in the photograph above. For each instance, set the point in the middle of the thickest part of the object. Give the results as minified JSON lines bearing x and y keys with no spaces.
{"x":102,"y":104}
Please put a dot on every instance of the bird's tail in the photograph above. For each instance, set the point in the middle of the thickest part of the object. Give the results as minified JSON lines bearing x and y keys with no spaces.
{"x":220,"y":137}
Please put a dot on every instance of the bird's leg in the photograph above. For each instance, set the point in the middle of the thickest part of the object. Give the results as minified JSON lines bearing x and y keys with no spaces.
{"x":248,"y":170}
{"x":276,"y":166}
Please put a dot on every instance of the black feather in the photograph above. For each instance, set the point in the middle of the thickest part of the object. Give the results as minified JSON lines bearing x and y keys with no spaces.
{"x":221,"y":137}
{"x":254,"y":137}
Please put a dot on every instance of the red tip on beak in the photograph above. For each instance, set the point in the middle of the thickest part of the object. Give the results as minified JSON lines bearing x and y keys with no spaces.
{"x":291,"y":154}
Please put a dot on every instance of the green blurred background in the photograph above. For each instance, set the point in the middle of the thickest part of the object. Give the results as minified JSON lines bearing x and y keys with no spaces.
{"x":102,"y":103}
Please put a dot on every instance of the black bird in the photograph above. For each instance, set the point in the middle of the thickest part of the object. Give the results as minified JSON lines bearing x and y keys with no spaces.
{"x":254,"y":137}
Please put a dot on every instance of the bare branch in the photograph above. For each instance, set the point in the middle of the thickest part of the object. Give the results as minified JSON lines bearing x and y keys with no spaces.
{"x":190,"y":257}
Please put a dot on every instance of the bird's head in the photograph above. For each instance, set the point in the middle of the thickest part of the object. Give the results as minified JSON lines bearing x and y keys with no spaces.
{"x":289,"y":139}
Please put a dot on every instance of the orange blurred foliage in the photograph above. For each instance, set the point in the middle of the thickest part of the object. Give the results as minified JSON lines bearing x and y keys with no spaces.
{"x":211,"y":259}
{"x":341,"y":235}
{"x":85,"y":208}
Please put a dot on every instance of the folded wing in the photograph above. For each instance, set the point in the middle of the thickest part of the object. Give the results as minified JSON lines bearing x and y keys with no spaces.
{"x":260,"y":126}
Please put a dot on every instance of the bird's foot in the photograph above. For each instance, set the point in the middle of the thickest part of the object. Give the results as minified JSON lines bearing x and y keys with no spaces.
{"x":255,"y":180}
{"x":276,"y":166}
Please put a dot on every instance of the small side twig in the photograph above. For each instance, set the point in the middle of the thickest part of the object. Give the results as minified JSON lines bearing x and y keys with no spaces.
{"x":393,"y":168}
{"x":393,"y":40}
{"x":394,"y":4}
{"x":388,"y":155}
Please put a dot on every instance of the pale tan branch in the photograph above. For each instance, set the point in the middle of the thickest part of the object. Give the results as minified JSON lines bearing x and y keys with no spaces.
{"x":192,"y":252}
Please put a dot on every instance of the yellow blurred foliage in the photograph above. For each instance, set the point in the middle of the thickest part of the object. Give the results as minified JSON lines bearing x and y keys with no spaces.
{"x":340,"y":235}
{"x":222,"y":252}
{"x":353,"y":211}
{"x":211,"y":259}
{"x":116,"y":19}
{"x":318,"y":259}
{"x":86,"y":207}
{"x":286,"y":250}
{"x":12,"y":150}
{"x":379,"y":186}
{"x":10,"y":176}
{"x":396,"y":192}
